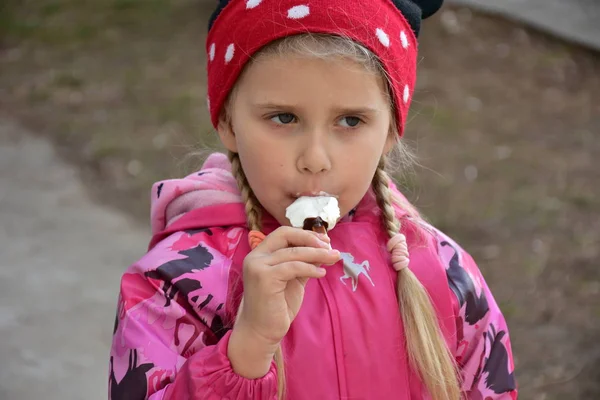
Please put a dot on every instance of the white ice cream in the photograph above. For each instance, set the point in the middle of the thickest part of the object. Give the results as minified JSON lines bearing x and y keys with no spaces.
{"x":304,"y":207}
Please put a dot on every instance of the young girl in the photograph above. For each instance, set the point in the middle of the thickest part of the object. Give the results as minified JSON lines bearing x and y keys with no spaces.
{"x":230,"y":302}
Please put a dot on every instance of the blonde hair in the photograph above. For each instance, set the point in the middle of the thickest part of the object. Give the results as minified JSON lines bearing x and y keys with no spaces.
{"x":429,"y":355}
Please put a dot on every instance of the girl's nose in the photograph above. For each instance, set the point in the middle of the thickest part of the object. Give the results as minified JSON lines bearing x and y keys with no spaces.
{"x":314,"y":157}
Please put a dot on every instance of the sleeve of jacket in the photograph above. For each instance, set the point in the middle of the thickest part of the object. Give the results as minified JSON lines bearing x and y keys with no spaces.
{"x":169,"y":339}
{"x":484,"y":353}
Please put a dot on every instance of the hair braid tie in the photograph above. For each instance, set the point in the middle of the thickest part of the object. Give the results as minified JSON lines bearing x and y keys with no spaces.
{"x":255,"y":238}
{"x":398,"y":248}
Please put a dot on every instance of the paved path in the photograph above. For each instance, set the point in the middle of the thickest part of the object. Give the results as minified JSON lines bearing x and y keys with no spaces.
{"x":574,"y":20}
{"x":61,"y":257}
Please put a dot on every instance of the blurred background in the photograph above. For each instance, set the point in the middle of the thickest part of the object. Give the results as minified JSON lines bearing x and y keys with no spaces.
{"x":100,"y":98}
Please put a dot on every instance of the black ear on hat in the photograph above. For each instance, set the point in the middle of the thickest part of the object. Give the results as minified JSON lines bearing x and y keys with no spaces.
{"x":428,"y":7}
{"x":220,"y":6}
{"x":416,"y":10}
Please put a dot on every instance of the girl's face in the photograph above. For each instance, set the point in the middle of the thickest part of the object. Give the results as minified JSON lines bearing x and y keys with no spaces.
{"x":303,"y":126}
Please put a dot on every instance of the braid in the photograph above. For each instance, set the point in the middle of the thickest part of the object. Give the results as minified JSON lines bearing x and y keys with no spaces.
{"x":428,"y":353}
{"x":254,"y":216}
{"x":381,"y":187}
{"x":253,"y":210}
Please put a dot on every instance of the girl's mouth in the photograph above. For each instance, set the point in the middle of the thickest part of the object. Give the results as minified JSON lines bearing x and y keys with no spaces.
{"x":313,"y":194}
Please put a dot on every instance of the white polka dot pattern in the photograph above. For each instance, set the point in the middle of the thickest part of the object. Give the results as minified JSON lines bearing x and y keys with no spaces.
{"x":383,"y":37}
{"x":298,"y":12}
{"x":404,"y":39}
{"x":406,"y":94}
{"x":252,"y":3}
{"x":211,"y":53}
{"x":229,"y":53}
{"x":244,"y":26}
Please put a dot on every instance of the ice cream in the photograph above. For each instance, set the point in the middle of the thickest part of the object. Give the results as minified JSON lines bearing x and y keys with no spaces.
{"x":319,"y":213}
{"x":315,"y":225}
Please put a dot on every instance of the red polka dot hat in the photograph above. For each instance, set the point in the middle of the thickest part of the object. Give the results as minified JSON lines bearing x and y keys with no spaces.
{"x":389,"y":28}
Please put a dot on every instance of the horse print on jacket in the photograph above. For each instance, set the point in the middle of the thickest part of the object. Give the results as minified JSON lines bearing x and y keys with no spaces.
{"x":134,"y":384}
{"x":197,"y":258}
{"x":463,"y":287}
{"x":498,"y":378}
{"x":353,"y":270}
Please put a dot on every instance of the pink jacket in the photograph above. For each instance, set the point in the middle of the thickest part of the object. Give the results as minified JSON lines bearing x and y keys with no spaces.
{"x":177,"y":303}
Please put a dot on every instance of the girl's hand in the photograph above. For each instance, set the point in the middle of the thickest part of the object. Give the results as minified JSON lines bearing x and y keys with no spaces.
{"x":275,"y":274}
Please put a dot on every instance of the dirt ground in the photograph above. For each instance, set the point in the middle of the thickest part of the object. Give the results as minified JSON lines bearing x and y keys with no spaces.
{"x":505,"y":123}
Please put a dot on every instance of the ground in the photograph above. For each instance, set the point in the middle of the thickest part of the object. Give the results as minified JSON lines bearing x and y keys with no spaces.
{"x":62,"y":259}
{"x":504,"y":124}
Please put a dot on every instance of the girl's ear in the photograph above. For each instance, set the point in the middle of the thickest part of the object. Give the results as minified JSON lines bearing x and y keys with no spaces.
{"x":226,"y":133}
{"x":390,"y":142}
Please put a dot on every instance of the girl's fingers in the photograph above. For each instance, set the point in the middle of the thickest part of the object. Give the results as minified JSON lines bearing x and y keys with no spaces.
{"x":297,"y":270}
{"x":309,"y":255}
{"x":286,"y":236}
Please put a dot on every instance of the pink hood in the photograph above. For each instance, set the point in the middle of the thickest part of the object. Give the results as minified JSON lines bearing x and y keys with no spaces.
{"x":202,"y":192}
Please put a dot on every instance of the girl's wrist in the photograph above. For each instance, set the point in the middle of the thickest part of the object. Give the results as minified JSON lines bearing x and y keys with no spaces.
{"x":250,"y":355}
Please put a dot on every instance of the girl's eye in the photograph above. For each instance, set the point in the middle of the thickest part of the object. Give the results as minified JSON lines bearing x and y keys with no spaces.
{"x":350,"y":122}
{"x":283,"y":119}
